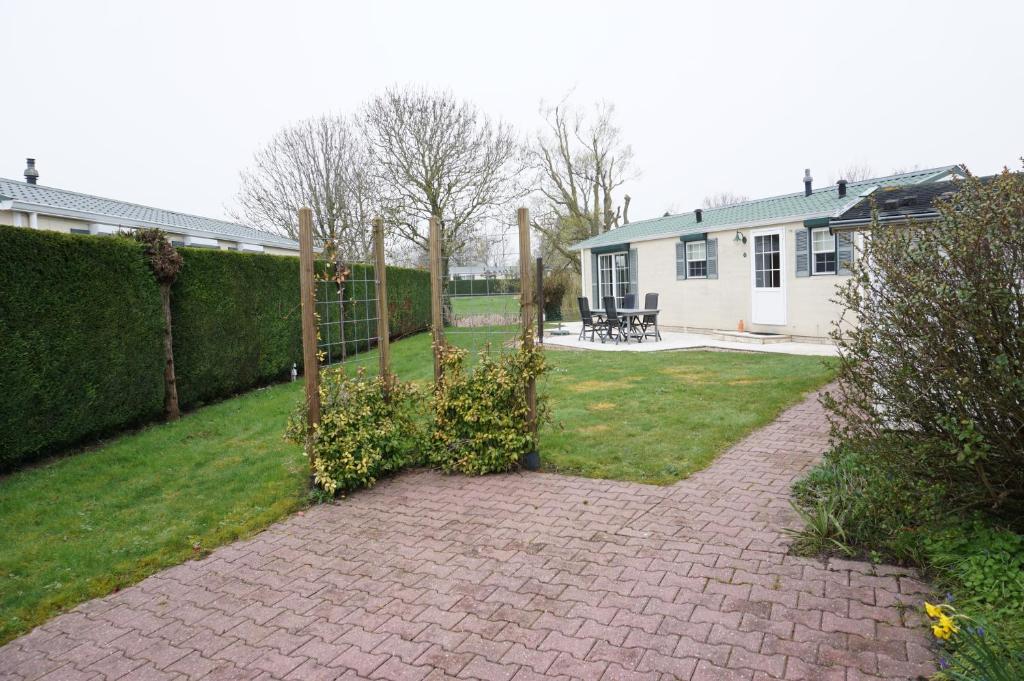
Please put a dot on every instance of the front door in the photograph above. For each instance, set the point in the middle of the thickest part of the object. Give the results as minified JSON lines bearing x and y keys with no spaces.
{"x":768,"y":278}
{"x":613,"y":269}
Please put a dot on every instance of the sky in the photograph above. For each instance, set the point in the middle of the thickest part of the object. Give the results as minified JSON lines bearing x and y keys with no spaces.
{"x":163,"y":103}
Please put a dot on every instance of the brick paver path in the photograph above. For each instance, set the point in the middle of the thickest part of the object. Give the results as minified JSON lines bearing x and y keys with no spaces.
{"x":513,"y":577}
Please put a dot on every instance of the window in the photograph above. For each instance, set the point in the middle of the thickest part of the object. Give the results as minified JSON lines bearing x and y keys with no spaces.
{"x":696,"y":259}
{"x":613,"y":276}
{"x":767,"y":261}
{"x":823,"y":252}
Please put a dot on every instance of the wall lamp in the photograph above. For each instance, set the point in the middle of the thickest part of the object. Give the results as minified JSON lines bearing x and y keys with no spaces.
{"x":739,"y":238}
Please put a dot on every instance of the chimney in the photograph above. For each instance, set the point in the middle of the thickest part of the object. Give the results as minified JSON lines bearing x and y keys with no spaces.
{"x":807,"y":181}
{"x":699,"y":214}
{"x":31,"y":174}
{"x":842,"y":188}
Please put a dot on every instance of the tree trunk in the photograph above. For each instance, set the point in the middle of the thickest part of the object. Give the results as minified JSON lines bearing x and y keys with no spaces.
{"x":171,"y":411}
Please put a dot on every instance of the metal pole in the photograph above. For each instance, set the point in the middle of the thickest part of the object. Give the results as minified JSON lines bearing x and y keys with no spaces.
{"x":307,"y":286}
{"x":540,"y":300}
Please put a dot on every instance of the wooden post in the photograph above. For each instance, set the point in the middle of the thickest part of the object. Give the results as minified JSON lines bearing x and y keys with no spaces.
{"x":437,"y":320}
{"x":383,"y":323}
{"x":310,"y":363}
{"x":539,"y":296}
{"x":526,"y":302}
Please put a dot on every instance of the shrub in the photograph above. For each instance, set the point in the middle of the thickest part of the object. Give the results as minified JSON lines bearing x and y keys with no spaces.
{"x":555,"y":287}
{"x":80,"y":340}
{"x":236,"y":322}
{"x":936,"y":356}
{"x":362,"y":433}
{"x":985,"y":562}
{"x":481,"y":416}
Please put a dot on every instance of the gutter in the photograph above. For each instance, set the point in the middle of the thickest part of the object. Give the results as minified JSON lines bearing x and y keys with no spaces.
{"x":116,"y":221}
{"x":888,"y":219}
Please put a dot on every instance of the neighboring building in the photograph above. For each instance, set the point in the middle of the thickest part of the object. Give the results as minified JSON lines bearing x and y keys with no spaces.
{"x":28,"y":204}
{"x":771,"y":263}
{"x":480,"y":271}
{"x":896,"y":205}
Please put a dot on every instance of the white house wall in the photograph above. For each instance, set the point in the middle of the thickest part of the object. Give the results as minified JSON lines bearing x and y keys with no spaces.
{"x":720,"y":304}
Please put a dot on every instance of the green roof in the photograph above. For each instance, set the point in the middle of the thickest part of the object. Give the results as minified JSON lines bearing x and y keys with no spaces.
{"x":823,"y":202}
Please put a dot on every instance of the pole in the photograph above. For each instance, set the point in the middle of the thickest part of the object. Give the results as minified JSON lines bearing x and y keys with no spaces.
{"x":526,"y":302}
{"x":437,"y":324}
{"x":539,"y":297}
{"x":310,"y":363}
{"x":383,"y":321}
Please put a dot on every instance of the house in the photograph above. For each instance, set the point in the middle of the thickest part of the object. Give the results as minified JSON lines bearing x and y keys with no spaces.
{"x":769,"y":264}
{"x":32,"y":205}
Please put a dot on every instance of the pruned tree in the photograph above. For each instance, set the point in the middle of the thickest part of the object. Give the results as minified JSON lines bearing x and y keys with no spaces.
{"x":580,"y":161}
{"x":432,"y":154}
{"x":322,"y":163}
{"x":723,"y":199}
{"x":165,"y":263}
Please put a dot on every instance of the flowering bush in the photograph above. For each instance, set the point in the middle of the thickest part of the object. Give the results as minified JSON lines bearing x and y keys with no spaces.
{"x":481,"y":417}
{"x":367,"y":429}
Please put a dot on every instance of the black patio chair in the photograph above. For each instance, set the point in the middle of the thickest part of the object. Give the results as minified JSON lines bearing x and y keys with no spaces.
{"x":629,"y":301}
{"x":649,"y":320}
{"x":595,"y":326}
{"x":616,"y":323}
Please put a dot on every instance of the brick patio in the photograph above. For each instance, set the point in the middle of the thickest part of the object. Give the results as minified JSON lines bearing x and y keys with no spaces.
{"x":514,"y":577}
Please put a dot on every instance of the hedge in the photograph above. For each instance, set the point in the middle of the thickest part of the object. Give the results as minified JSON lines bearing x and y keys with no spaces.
{"x":80,"y":340}
{"x":477,"y":287}
{"x":80,"y":332}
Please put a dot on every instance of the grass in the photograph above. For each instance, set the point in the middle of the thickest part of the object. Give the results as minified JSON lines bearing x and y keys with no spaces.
{"x":85,"y":525}
{"x":485,"y":304}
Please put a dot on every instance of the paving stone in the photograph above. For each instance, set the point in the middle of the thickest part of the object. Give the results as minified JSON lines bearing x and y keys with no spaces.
{"x":523,"y":576}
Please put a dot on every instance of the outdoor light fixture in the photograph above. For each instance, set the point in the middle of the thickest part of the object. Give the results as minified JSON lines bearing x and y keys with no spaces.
{"x":739,"y":238}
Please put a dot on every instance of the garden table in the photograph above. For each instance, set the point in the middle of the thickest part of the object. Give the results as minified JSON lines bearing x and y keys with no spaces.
{"x":634,"y":317}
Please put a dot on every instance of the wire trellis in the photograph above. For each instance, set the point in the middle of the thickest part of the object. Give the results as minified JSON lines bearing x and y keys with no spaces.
{"x":483,"y":310}
{"x":346,"y":308}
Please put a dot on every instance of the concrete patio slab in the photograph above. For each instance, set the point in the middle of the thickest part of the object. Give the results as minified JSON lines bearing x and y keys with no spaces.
{"x":519,"y":577}
{"x":674,"y":340}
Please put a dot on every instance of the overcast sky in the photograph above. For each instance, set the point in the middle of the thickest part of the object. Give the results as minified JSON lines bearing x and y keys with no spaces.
{"x":164,"y":103}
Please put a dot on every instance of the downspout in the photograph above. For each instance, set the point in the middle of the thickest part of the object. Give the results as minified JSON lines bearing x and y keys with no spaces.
{"x":33,"y":220}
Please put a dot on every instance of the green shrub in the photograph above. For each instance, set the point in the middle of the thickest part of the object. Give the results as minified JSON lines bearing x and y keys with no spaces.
{"x":478,"y":287}
{"x":80,"y":341}
{"x":983,"y":561}
{"x":362,"y":434}
{"x":236,"y":322}
{"x":481,"y":416}
{"x":936,"y":353}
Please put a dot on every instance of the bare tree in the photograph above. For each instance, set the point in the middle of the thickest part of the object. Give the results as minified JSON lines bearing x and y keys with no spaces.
{"x":321,"y":163}
{"x":581,"y":161}
{"x":723,"y":199}
{"x":434,"y":155}
{"x":855,"y":172}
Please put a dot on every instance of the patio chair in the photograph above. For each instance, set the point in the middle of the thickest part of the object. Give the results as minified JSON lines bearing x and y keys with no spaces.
{"x":595,"y":326}
{"x":629,"y":301}
{"x":614,"y":321}
{"x":649,"y":320}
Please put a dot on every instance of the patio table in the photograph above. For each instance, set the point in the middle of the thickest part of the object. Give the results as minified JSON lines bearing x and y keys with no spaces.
{"x":633,"y":316}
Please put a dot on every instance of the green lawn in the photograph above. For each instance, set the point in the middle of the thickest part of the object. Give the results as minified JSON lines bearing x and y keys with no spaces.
{"x":481,"y":304}
{"x":87,"y":524}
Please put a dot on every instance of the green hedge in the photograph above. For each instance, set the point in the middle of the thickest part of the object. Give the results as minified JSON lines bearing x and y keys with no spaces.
{"x":80,"y":332}
{"x":481,"y":287}
{"x":80,"y":340}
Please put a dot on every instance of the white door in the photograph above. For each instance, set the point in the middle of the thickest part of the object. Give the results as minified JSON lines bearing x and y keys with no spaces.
{"x":768,"y":277}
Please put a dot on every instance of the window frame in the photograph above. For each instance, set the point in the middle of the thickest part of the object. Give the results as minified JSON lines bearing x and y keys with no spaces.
{"x":814,"y":253}
{"x":618,"y":287}
{"x":703,"y":243}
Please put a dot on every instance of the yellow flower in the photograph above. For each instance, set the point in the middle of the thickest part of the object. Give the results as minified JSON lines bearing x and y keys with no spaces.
{"x":947,"y":622}
{"x":941,"y":632}
{"x":932,"y":610}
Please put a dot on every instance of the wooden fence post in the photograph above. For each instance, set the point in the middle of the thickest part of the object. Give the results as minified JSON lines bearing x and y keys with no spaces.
{"x":436,"y":291}
{"x":539,"y":296}
{"x":307,"y":284}
{"x":526,"y":303}
{"x":383,"y":323}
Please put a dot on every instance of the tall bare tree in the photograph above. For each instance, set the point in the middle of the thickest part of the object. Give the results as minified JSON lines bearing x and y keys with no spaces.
{"x":434,"y":155}
{"x":581,"y":162}
{"x":855,"y":172}
{"x":322,"y":163}
{"x":723,"y":199}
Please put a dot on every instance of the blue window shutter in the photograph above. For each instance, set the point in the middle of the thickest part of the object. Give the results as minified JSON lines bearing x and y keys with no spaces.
{"x":803,"y":252}
{"x":634,"y":266}
{"x":844,"y":252}
{"x":712,"y":255}
{"x":595,"y":275}
{"x":680,"y":261}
